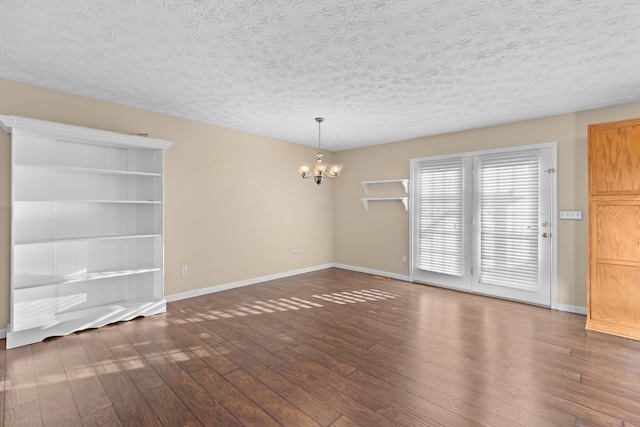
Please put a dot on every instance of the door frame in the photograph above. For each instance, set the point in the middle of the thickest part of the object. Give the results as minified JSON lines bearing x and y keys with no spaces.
{"x":553,"y":146}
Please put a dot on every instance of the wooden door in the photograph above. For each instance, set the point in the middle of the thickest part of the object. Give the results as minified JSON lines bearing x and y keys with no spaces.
{"x":614,"y":228}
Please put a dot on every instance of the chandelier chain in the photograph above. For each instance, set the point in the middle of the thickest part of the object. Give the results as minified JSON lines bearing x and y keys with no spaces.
{"x":319,"y":120}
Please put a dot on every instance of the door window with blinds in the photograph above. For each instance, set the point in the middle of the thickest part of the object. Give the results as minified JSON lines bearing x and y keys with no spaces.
{"x":442,"y":244}
{"x":481,"y":222}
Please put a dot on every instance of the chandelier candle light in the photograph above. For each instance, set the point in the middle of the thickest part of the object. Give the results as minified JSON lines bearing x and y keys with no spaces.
{"x":319,"y":170}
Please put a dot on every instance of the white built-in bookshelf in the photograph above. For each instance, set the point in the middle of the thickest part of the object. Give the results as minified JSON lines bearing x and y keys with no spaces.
{"x":87,"y":228}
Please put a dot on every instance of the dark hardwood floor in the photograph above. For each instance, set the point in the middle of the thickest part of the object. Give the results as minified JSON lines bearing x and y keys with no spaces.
{"x":330,"y":348}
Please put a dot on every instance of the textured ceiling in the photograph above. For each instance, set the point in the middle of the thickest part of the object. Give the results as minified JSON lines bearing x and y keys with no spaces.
{"x":377,"y":70}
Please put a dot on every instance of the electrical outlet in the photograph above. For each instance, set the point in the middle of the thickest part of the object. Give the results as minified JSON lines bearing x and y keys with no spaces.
{"x":404,"y":258}
{"x":184,"y":270}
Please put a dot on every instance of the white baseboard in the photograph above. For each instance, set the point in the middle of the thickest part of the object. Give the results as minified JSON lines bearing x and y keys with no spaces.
{"x":560,"y":307}
{"x":241,"y":283}
{"x":374,"y":272}
{"x":3,"y":333}
{"x":571,"y":308}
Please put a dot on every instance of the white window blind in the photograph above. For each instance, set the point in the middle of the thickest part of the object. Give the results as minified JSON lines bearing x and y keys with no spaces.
{"x":440,"y":217}
{"x":509,"y":220}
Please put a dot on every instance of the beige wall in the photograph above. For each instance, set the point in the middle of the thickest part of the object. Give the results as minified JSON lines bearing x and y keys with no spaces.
{"x":376,"y":239}
{"x":235,"y":206}
{"x":228,"y":226}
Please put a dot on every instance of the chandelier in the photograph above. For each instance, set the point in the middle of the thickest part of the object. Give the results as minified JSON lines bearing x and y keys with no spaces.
{"x":319,"y":170}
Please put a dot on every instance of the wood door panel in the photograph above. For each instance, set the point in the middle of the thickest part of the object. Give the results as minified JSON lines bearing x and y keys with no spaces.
{"x":614,"y":154}
{"x":613,"y":284}
{"x":615,"y":294}
{"x":617,"y":228}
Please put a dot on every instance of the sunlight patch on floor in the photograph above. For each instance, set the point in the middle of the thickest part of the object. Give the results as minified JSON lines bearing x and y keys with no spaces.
{"x":353,"y":297}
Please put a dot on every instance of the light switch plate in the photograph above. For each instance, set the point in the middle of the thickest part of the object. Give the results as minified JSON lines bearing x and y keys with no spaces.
{"x":574,"y":215}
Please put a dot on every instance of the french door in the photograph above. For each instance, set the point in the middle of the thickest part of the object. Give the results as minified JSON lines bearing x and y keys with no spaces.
{"x":483,"y":222}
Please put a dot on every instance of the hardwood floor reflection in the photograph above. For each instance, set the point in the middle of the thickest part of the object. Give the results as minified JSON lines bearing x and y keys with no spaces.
{"x":329,"y":348}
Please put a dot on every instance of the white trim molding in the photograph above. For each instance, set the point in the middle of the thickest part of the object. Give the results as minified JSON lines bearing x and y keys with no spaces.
{"x":257,"y":280}
{"x":242,"y":283}
{"x":3,"y":333}
{"x":571,"y":308}
{"x":396,"y":276}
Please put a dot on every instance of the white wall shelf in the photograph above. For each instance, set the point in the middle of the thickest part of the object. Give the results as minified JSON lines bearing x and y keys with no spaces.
{"x":405,"y":185}
{"x":86,"y":228}
{"x":131,"y":202}
{"x":86,"y":239}
{"x":71,"y":169}
{"x":365,"y":201}
{"x":404,"y":182}
{"x":99,"y":275}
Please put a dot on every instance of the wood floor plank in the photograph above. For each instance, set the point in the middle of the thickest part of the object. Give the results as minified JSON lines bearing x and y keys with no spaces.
{"x":314,"y":351}
{"x":467,"y":408}
{"x":315,"y":408}
{"x":27,"y":415}
{"x":255,"y":336}
{"x":462,"y":388}
{"x":106,"y":417}
{"x":221,"y":327}
{"x":330,"y":347}
{"x":203,"y":334}
{"x":163,"y":337}
{"x":340,"y":326}
{"x":88,"y":392}
{"x":585,"y":407}
{"x":583,"y":413}
{"x":44,"y":348}
{"x":20,"y":378}
{"x":627,"y":389}
{"x":271,"y":402}
{"x":195,"y":397}
{"x":323,"y":332}
{"x":287,"y":335}
{"x":128,"y":402}
{"x":392,"y":404}
{"x":54,"y":392}
{"x":204,"y":351}
{"x":169,"y":408}
{"x":344,"y":421}
{"x":142,"y":375}
{"x":239,"y":405}
{"x":160,"y":329}
{"x":338,"y":366}
{"x":354,"y":409}
{"x":585,"y":423}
